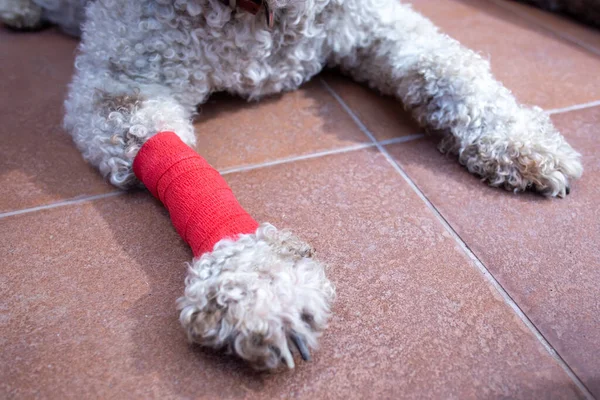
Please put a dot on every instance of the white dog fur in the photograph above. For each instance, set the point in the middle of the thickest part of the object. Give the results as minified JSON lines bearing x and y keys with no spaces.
{"x":145,"y":65}
{"x":252,"y":294}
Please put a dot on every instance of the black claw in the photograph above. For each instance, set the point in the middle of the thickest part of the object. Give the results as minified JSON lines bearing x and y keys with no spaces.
{"x":568,"y":190}
{"x":301,"y":346}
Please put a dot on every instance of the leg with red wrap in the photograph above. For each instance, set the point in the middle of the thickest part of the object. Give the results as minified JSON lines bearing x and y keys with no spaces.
{"x":252,"y":289}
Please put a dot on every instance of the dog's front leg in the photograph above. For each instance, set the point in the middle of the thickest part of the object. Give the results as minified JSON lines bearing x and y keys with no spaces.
{"x":450,"y":89}
{"x":252,"y":289}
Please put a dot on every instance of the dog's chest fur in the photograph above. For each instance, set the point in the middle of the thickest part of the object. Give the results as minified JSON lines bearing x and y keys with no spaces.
{"x":196,"y":47}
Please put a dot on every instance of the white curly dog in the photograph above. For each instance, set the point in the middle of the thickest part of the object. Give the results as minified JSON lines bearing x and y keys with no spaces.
{"x":145,"y":65}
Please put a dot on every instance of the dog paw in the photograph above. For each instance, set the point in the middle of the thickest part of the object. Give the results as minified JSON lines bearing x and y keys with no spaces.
{"x":528,"y":153}
{"x":262,"y":297}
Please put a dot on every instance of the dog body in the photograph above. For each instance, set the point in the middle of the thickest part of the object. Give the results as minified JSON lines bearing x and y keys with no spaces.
{"x":144,"y":66}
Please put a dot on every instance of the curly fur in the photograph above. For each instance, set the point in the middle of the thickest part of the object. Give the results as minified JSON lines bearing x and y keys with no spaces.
{"x":450,"y":89}
{"x":144,"y":66}
{"x":21,"y":14}
{"x":110,"y":125}
{"x":248,"y":295}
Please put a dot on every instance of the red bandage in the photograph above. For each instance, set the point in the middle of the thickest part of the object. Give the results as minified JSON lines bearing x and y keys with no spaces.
{"x":202,"y":206}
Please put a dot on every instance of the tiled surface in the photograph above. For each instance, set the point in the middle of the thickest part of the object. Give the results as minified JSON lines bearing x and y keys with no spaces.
{"x":382,"y":115}
{"x":88,"y":290}
{"x":584,"y":35}
{"x":103,"y":317}
{"x":544,"y":252}
{"x":38,"y":161}
{"x":232,"y":132}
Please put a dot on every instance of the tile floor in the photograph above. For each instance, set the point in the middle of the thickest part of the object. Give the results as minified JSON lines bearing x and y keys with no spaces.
{"x":447,"y":288}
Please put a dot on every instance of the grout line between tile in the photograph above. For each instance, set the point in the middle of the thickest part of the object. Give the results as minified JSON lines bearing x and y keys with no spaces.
{"x":534,"y":21}
{"x":296,"y":158}
{"x":83,"y":199}
{"x":576,"y":107}
{"x":76,"y":200}
{"x":463,"y":245}
{"x":402,"y":139}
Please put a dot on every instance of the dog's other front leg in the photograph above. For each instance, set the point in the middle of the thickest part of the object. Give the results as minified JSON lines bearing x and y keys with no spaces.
{"x":450,"y":89}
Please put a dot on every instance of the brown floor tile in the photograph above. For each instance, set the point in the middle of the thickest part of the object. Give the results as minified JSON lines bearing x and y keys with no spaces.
{"x":564,"y":26}
{"x":535,"y":64}
{"x":384,"y":116}
{"x":89,"y":295}
{"x":232,"y":132}
{"x":544,"y":252}
{"x":38,"y":162}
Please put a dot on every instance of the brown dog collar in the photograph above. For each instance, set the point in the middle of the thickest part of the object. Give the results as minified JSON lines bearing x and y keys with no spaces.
{"x":253,"y":7}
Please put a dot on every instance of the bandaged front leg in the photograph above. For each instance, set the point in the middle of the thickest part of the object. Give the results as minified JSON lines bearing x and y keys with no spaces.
{"x":251,"y":289}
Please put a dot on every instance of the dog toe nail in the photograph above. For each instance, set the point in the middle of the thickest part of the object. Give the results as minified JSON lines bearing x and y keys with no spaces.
{"x":301,"y":346}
